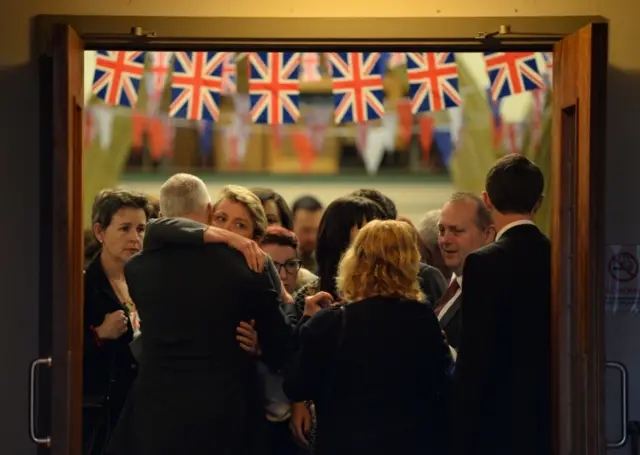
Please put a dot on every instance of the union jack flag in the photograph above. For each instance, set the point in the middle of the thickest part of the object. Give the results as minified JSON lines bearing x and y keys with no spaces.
{"x":433,"y":81}
{"x":548,"y":66}
{"x":158,"y":71}
{"x":539,"y":97}
{"x":117,"y":77}
{"x":496,"y":119}
{"x":229,"y":74}
{"x":513,"y":134}
{"x":391,"y":60}
{"x":357,"y":86}
{"x":397,"y":59}
{"x":511,"y":73}
{"x":311,"y":67}
{"x":274,"y":87}
{"x":196,"y":85}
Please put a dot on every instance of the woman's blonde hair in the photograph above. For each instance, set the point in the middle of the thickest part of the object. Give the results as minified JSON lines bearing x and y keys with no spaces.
{"x":245,"y":197}
{"x":382,"y":261}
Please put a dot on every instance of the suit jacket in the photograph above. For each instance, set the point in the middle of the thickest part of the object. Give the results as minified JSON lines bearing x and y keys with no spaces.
{"x":432,"y":283}
{"x":502,"y":384}
{"x":182,"y":231}
{"x":197,"y":391}
{"x":173,"y":231}
{"x":451,"y":323}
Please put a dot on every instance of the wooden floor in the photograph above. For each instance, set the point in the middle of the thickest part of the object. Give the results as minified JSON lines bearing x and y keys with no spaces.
{"x":413,"y":195}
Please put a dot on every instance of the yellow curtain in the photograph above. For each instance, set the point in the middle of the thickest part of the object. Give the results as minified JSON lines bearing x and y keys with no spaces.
{"x":474,"y":154}
{"x":541,"y":155}
{"x":102,"y":168}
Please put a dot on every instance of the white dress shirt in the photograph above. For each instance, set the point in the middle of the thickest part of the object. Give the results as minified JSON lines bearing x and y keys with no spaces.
{"x":512,"y":225}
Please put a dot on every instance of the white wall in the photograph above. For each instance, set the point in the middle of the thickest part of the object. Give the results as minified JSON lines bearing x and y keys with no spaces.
{"x":19,"y":142}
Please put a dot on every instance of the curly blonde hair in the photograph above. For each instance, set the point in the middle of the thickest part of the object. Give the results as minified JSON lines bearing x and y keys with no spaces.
{"x":245,"y":197}
{"x":382,"y":261}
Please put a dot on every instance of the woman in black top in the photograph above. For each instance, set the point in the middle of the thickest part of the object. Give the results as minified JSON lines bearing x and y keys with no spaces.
{"x":110,"y":319}
{"x":377,"y":368}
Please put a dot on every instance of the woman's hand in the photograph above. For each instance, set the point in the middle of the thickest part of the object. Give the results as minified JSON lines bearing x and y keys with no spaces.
{"x":113,"y":327}
{"x":248,"y":338}
{"x":285,"y":296}
{"x":252,"y":253}
{"x":300,"y":424}
{"x":316,"y":302}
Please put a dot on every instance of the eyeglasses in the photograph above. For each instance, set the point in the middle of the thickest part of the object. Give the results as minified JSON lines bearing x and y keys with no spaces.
{"x":291,"y":266}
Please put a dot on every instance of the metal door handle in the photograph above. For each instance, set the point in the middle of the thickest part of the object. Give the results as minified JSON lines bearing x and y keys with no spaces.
{"x":32,"y":401}
{"x":624,"y":384}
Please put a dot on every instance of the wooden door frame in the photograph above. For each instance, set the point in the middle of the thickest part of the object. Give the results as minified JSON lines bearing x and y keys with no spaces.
{"x":399,"y":34}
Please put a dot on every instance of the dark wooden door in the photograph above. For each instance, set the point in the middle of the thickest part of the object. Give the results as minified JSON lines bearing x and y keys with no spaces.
{"x":60,"y":403}
{"x":579,"y":102}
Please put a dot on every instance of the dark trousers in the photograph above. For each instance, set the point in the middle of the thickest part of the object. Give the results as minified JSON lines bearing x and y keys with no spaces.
{"x":280,"y":439}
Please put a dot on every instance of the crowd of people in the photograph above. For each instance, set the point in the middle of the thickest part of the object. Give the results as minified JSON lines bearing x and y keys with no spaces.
{"x":241,"y":326}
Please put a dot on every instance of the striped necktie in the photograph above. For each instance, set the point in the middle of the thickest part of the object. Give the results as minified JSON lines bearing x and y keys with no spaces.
{"x":448,"y":295}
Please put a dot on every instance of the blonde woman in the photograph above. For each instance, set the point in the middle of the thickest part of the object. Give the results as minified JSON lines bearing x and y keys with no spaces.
{"x":377,"y":368}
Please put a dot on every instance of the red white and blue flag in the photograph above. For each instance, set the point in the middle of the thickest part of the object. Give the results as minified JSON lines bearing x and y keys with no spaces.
{"x":229,"y":81}
{"x":358,"y":90}
{"x":391,"y":60}
{"x":158,"y":71}
{"x":433,"y":81}
{"x":511,"y":73}
{"x":156,"y":78}
{"x":196,"y":85}
{"x":397,"y":59}
{"x":274,"y":87}
{"x":547,"y":57}
{"x":117,"y":77}
{"x":310,"y":67}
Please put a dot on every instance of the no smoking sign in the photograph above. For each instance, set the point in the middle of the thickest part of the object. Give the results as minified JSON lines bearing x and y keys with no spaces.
{"x":622,"y":283}
{"x":623,"y":266}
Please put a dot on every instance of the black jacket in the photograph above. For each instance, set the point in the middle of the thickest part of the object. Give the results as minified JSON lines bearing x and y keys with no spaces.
{"x":502,"y":386}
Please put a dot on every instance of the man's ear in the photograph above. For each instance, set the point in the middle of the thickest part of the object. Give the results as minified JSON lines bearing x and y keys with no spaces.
{"x":491,"y":234}
{"x":209,"y":213}
{"x":487,"y":200}
{"x":538,"y":205}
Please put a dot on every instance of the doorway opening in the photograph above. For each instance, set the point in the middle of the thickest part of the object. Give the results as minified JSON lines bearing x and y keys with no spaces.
{"x":292,"y":148}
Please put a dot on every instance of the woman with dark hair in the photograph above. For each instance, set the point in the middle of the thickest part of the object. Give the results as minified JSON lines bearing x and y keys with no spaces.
{"x":385,"y":202}
{"x":339,"y":226}
{"x":110,"y":318}
{"x":275,"y":207}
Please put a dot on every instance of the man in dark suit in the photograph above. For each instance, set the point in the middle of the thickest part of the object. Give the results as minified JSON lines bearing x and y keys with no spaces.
{"x":502,"y":378}
{"x":464,"y":226}
{"x":197,"y":391}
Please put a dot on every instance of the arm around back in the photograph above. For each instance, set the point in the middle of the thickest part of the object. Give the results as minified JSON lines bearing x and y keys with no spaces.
{"x":272,"y":325}
{"x":182,"y":231}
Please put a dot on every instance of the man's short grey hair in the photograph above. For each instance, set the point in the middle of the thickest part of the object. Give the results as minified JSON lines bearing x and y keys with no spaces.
{"x":182,"y":195}
{"x":428,"y":227}
{"x":483,"y":216}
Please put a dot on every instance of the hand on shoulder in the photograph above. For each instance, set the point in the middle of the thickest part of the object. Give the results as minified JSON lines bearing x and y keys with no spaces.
{"x":252,"y":253}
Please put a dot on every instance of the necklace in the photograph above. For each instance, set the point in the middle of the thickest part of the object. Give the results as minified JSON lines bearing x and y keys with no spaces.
{"x":122,"y":293}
